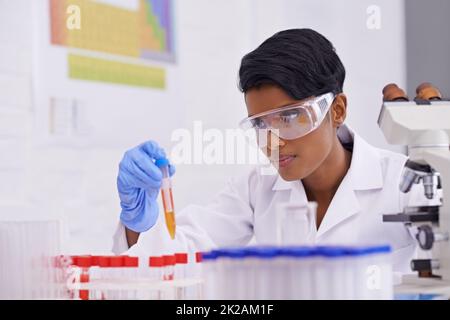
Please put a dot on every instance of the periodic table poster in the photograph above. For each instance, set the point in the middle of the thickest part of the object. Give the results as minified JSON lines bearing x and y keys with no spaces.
{"x":144,"y":32}
{"x":102,"y":64}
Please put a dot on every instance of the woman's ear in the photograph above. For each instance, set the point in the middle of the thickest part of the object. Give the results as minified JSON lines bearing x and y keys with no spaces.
{"x":339,"y":110}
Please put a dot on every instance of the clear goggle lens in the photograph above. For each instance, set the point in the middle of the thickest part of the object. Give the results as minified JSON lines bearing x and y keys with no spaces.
{"x":292,"y":122}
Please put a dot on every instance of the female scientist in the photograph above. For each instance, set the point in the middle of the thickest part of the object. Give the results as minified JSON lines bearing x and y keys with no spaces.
{"x":293,"y":87}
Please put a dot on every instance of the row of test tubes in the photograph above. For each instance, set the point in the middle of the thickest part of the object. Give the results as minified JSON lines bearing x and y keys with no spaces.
{"x":320,"y":273}
{"x":167,"y":277}
{"x":32,"y":269}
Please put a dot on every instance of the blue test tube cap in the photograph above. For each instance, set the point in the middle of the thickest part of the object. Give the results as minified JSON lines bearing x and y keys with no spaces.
{"x":356,"y":251}
{"x":365,"y":250}
{"x":298,"y":251}
{"x":218,"y":252}
{"x":378,"y":249}
{"x":233,"y":253}
{"x":262,"y":252}
{"x":162,"y":162}
{"x":331,"y":252}
{"x":206,"y":256}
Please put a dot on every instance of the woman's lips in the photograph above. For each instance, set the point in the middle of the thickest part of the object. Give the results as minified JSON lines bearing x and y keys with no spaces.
{"x":284,"y":161}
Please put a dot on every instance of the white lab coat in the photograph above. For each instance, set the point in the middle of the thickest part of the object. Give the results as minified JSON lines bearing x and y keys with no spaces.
{"x":247,"y":208}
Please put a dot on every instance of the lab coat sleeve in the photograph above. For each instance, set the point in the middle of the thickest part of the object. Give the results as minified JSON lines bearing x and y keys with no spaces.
{"x":226,"y":221}
{"x":120,"y":243}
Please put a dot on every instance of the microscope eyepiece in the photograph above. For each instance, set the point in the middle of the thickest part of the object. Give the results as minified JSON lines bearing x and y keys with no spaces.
{"x":426,"y":91}
{"x":392,"y":92}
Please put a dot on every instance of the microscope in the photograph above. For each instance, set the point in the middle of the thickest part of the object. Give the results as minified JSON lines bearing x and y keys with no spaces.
{"x":424,"y":126}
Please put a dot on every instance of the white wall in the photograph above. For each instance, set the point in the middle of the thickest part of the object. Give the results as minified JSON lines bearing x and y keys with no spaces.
{"x":15,"y":100}
{"x":77,"y":182}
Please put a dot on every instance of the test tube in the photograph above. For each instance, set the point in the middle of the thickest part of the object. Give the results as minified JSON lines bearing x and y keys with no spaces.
{"x":299,"y":280}
{"x":363,"y":283}
{"x":131,"y":265}
{"x":180,"y":266}
{"x":180,"y":273}
{"x":235,"y":275}
{"x":220,"y":274}
{"x":249,"y":265}
{"x":294,"y":220}
{"x":348,"y":263}
{"x":93,"y":277}
{"x":379,"y":269}
{"x":387,"y":274}
{"x":169,"y":266}
{"x":57,"y":277}
{"x":196,"y":272}
{"x":211,"y":289}
{"x":263,"y":272}
{"x":116,"y":273}
{"x":84,"y":262}
{"x":73,"y":292}
{"x":166,"y":193}
{"x":334,"y":277}
{"x":104,"y":269}
{"x":169,"y":269}
{"x":156,"y":268}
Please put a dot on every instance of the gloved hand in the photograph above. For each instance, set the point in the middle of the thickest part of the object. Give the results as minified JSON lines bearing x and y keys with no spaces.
{"x":138,"y":183}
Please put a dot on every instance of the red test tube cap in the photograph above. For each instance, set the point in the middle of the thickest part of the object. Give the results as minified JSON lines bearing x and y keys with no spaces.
{"x":84,"y":261}
{"x":169,"y":260}
{"x":181,"y":258}
{"x":103,"y":261}
{"x":94,"y":260}
{"x":116,"y":261}
{"x":131,"y":261}
{"x":155,"y":261}
{"x":73,"y":260}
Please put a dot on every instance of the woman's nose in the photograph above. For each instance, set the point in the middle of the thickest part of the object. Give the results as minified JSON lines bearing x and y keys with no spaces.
{"x":274,"y":142}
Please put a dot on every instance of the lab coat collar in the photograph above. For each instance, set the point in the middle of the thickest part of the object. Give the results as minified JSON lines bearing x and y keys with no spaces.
{"x":365,"y":173}
{"x":365,"y":169}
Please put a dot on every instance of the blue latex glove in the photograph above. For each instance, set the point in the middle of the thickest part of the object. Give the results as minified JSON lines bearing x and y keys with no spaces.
{"x":138,"y":183}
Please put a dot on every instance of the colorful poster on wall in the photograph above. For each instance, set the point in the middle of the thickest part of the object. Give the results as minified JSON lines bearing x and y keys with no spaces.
{"x":104,"y":33}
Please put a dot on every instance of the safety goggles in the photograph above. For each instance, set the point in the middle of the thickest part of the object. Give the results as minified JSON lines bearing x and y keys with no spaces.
{"x":294,"y":121}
